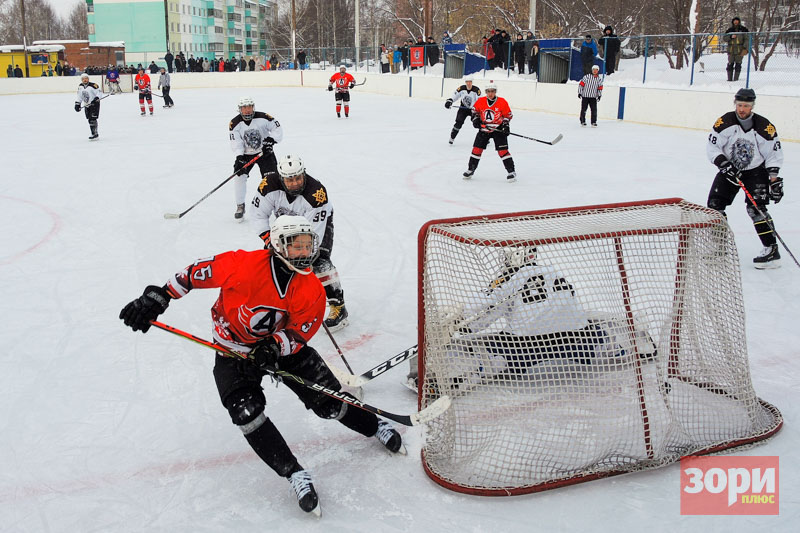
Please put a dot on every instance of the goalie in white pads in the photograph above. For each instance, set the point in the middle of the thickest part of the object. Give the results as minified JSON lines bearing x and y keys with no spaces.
{"x":527,"y":315}
{"x":293,"y":192}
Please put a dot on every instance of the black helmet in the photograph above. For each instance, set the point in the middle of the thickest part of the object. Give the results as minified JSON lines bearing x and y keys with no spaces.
{"x":745,"y":95}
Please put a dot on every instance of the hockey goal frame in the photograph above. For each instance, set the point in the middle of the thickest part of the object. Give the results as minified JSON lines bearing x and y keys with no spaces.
{"x":672,"y":366}
{"x":125,"y":83}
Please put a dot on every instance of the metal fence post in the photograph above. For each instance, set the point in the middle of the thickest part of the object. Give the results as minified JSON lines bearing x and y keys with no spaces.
{"x":749,"y":54}
{"x":693,"y":49}
{"x":646,"y":53}
{"x":508,"y":60}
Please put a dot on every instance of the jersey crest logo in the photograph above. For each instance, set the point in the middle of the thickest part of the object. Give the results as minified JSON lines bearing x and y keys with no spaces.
{"x":252,"y":138}
{"x":719,"y":122}
{"x":771,"y":131}
{"x":262,"y":187}
{"x":742,"y":153}
{"x":319,"y":196}
{"x":467,"y":101}
{"x":488,"y":115}
{"x":260,"y":320}
{"x":280,"y":211}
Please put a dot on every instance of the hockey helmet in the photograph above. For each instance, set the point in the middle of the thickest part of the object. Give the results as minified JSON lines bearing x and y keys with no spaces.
{"x":468,"y":78}
{"x":246,"y":101}
{"x":84,"y":76}
{"x":745,"y":95}
{"x":491,"y":86}
{"x":291,"y":166}
{"x":285,"y":238}
{"x":519,"y":256}
{"x":342,"y":68}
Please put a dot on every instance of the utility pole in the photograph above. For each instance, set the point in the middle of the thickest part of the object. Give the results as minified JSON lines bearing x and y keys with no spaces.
{"x":532,"y":21}
{"x":428,"y":22}
{"x":24,"y":37}
{"x":294,"y":33}
{"x":358,"y":34}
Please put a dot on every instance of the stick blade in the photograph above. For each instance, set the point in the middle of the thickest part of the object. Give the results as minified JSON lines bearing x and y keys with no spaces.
{"x":557,"y":139}
{"x":434,"y":410}
{"x":171,"y":216}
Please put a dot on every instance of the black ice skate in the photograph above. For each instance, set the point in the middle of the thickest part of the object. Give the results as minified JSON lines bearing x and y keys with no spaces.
{"x":468,"y":174}
{"x":239,"y":214}
{"x":512,"y":177}
{"x":337,"y":317}
{"x":142,"y":113}
{"x":594,"y":124}
{"x":451,"y":140}
{"x":305,"y":493}
{"x":389,"y":437}
{"x":768,"y":258}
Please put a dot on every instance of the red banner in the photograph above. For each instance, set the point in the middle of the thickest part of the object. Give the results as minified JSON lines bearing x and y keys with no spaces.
{"x":417,"y":54}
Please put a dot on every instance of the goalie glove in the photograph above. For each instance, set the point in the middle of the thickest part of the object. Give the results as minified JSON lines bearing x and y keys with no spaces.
{"x":448,"y":103}
{"x":776,"y":190}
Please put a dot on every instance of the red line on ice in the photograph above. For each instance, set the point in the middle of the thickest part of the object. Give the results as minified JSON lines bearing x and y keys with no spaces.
{"x":55,"y":229}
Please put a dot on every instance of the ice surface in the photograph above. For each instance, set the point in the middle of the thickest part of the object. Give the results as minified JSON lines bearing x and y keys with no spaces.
{"x":105,"y":430}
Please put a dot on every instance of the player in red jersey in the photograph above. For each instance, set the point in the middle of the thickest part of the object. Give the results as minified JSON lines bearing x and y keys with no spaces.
{"x":142,"y":83}
{"x":491,"y":116}
{"x":270,"y":305}
{"x":343,"y":82}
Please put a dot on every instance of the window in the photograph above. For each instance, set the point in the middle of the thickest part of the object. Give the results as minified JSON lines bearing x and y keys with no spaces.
{"x":194,"y":10}
{"x":91,"y":28}
{"x":90,"y":9}
{"x":184,"y":28}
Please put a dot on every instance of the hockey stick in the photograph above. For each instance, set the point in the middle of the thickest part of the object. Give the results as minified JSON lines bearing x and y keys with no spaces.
{"x":554,"y":141}
{"x":101,"y":98}
{"x":766,"y":219}
{"x":426,"y":415}
{"x":336,"y":345}
{"x":362,"y":83}
{"x":372,"y":373}
{"x":179,"y":215}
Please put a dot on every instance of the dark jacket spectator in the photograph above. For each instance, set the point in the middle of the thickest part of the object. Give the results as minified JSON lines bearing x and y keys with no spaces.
{"x":252,"y":64}
{"x":432,"y":51}
{"x":588,"y":53}
{"x":737,"y":47}
{"x":153,"y":68}
{"x":301,"y":59}
{"x":404,"y":54}
{"x":496,"y":42}
{"x":169,"y":58}
{"x":59,"y":69}
{"x":18,"y":72}
{"x":532,"y":53}
{"x":519,"y":54}
{"x":192,"y":63}
{"x":273,"y":62}
{"x":10,"y":71}
{"x":446,"y":38}
{"x":609,"y":45}
{"x":505,"y":48}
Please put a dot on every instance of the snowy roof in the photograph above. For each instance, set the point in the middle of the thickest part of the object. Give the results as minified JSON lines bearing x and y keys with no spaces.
{"x":32,"y":48}
{"x":67,"y":41}
{"x":116,"y":44}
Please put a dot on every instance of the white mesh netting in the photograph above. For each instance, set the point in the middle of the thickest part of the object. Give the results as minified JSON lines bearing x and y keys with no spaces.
{"x":582,"y":343}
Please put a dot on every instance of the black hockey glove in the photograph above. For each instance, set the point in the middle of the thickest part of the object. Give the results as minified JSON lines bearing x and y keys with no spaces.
{"x":241,"y":162}
{"x":776,"y":190}
{"x":269,"y":142}
{"x":138,"y":313}
{"x":352,"y":85}
{"x":266,"y":353}
{"x":476,"y":121}
{"x":730,"y":172}
{"x":504,"y":128}
{"x":135,"y":87}
{"x":330,"y":87}
{"x":77,"y":106}
{"x":448,"y":103}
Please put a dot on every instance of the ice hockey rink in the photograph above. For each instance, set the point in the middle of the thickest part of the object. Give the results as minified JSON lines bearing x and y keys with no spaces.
{"x":103,"y":429}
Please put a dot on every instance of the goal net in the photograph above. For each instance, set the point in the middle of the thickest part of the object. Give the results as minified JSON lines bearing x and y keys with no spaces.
{"x":580,"y":343}
{"x":125,"y":84}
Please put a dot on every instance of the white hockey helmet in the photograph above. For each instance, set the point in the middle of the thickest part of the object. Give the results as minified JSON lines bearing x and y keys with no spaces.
{"x":491,"y":86}
{"x":468,"y":78}
{"x":288,"y":239}
{"x":519,"y":256}
{"x":84,"y":76}
{"x":246,"y":101}
{"x":291,"y":166}
{"x":342,"y":68}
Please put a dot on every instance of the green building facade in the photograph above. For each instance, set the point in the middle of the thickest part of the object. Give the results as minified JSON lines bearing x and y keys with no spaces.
{"x":202,"y":28}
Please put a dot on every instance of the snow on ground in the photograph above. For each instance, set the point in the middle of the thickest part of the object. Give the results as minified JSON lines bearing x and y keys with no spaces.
{"x":104,"y":430}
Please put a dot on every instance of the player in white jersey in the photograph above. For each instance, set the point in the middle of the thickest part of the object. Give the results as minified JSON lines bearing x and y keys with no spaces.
{"x":291,"y":191}
{"x":88,"y":98}
{"x":528,"y":314}
{"x":744,"y":145}
{"x":252,"y":133}
{"x":467,"y":94}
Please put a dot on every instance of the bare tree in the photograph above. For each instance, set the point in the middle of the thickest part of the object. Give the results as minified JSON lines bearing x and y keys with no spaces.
{"x":75,"y":24}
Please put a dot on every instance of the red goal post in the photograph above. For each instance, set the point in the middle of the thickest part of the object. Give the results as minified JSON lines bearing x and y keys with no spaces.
{"x":655,"y":369}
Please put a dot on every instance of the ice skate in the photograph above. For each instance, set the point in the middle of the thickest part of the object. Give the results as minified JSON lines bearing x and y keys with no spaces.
{"x":337,"y":317}
{"x":239,"y":214}
{"x":512,"y":177}
{"x":451,"y":140}
{"x":303,"y":489}
{"x":468,"y":174}
{"x":389,"y":437}
{"x":768,"y":258}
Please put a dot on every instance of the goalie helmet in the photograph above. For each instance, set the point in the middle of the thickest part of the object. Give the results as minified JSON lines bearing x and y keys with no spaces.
{"x":519,"y":256}
{"x":246,"y":101}
{"x":294,"y":242}
{"x":291,"y":166}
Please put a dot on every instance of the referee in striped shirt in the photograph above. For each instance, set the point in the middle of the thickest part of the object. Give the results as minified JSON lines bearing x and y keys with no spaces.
{"x":589,"y":91}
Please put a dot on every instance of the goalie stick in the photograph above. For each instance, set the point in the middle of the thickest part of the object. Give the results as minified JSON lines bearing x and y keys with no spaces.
{"x":426,"y":415}
{"x":226,"y":180}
